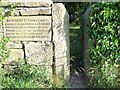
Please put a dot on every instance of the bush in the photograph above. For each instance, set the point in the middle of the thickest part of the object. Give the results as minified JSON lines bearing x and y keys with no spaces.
{"x":22,"y":75}
{"x":4,"y":12}
{"x":26,"y":76}
{"x":4,"y":52}
{"x":105,"y":45}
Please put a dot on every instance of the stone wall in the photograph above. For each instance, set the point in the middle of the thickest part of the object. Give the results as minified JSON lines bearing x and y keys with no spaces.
{"x":44,"y":43}
{"x":61,"y":39}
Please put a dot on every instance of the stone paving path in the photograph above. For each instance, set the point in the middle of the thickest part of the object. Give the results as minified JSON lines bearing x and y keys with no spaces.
{"x":77,"y":79}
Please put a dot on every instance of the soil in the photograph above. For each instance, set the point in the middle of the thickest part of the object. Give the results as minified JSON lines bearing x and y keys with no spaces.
{"x":77,"y":79}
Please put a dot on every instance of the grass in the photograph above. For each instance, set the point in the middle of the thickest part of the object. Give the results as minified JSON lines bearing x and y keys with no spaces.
{"x":30,"y":76}
{"x":26,"y":76}
{"x":75,"y":27}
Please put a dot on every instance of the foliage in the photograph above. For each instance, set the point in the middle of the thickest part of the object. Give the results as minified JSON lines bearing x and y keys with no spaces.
{"x":26,"y":76}
{"x":4,"y":52}
{"x":5,"y":11}
{"x":105,"y":45}
{"x":59,"y":82}
{"x":76,"y":46}
{"x":76,"y":11}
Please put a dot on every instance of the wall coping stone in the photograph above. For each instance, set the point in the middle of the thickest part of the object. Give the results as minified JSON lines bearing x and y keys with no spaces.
{"x":29,"y":3}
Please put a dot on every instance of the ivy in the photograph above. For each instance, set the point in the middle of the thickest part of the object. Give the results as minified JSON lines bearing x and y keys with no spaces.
{"x":4,"y":51}
{"x":105,"y":48}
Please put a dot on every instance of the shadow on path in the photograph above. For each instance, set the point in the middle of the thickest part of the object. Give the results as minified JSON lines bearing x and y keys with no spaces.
{"x":77,"y":79}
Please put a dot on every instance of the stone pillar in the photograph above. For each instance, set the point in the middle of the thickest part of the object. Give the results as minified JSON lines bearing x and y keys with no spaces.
{"x":39,"y":33}
{"x":36,"y":51}
{"x":86,"y":23}
{"x":61,"y":40}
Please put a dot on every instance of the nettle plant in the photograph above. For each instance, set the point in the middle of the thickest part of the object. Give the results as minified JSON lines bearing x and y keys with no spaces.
{"x":104,"y":40}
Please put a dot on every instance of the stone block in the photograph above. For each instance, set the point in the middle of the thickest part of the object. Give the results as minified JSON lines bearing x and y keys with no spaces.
{"x":28,"y":3}
{"x":14,"y":55}
{"x":61,"y":39}
{"x":32,"y":11}
{"x":39,"y":54}
{"x":13,"y":45}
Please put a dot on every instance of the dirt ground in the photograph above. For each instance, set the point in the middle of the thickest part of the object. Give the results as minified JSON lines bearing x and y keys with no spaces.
{"x":77,"y":79}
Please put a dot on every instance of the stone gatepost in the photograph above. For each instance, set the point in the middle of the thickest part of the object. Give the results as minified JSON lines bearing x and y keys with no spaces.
{"x":61,"y":39}
{"x":39,"y":33}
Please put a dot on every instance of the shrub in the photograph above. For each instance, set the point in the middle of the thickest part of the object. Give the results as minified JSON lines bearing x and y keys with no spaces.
{"x":26,"y":76}
{"x":29,"y":76}
{"x":104,"y":45}
{"x":4,"y":52}
{"x":4,"y":12}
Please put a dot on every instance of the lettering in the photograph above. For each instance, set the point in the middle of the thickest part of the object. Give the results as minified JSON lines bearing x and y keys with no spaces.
{"x":28,"y":28}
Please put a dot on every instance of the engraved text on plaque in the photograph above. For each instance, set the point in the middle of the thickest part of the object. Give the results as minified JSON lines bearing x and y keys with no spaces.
{"x":28,"y":28}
